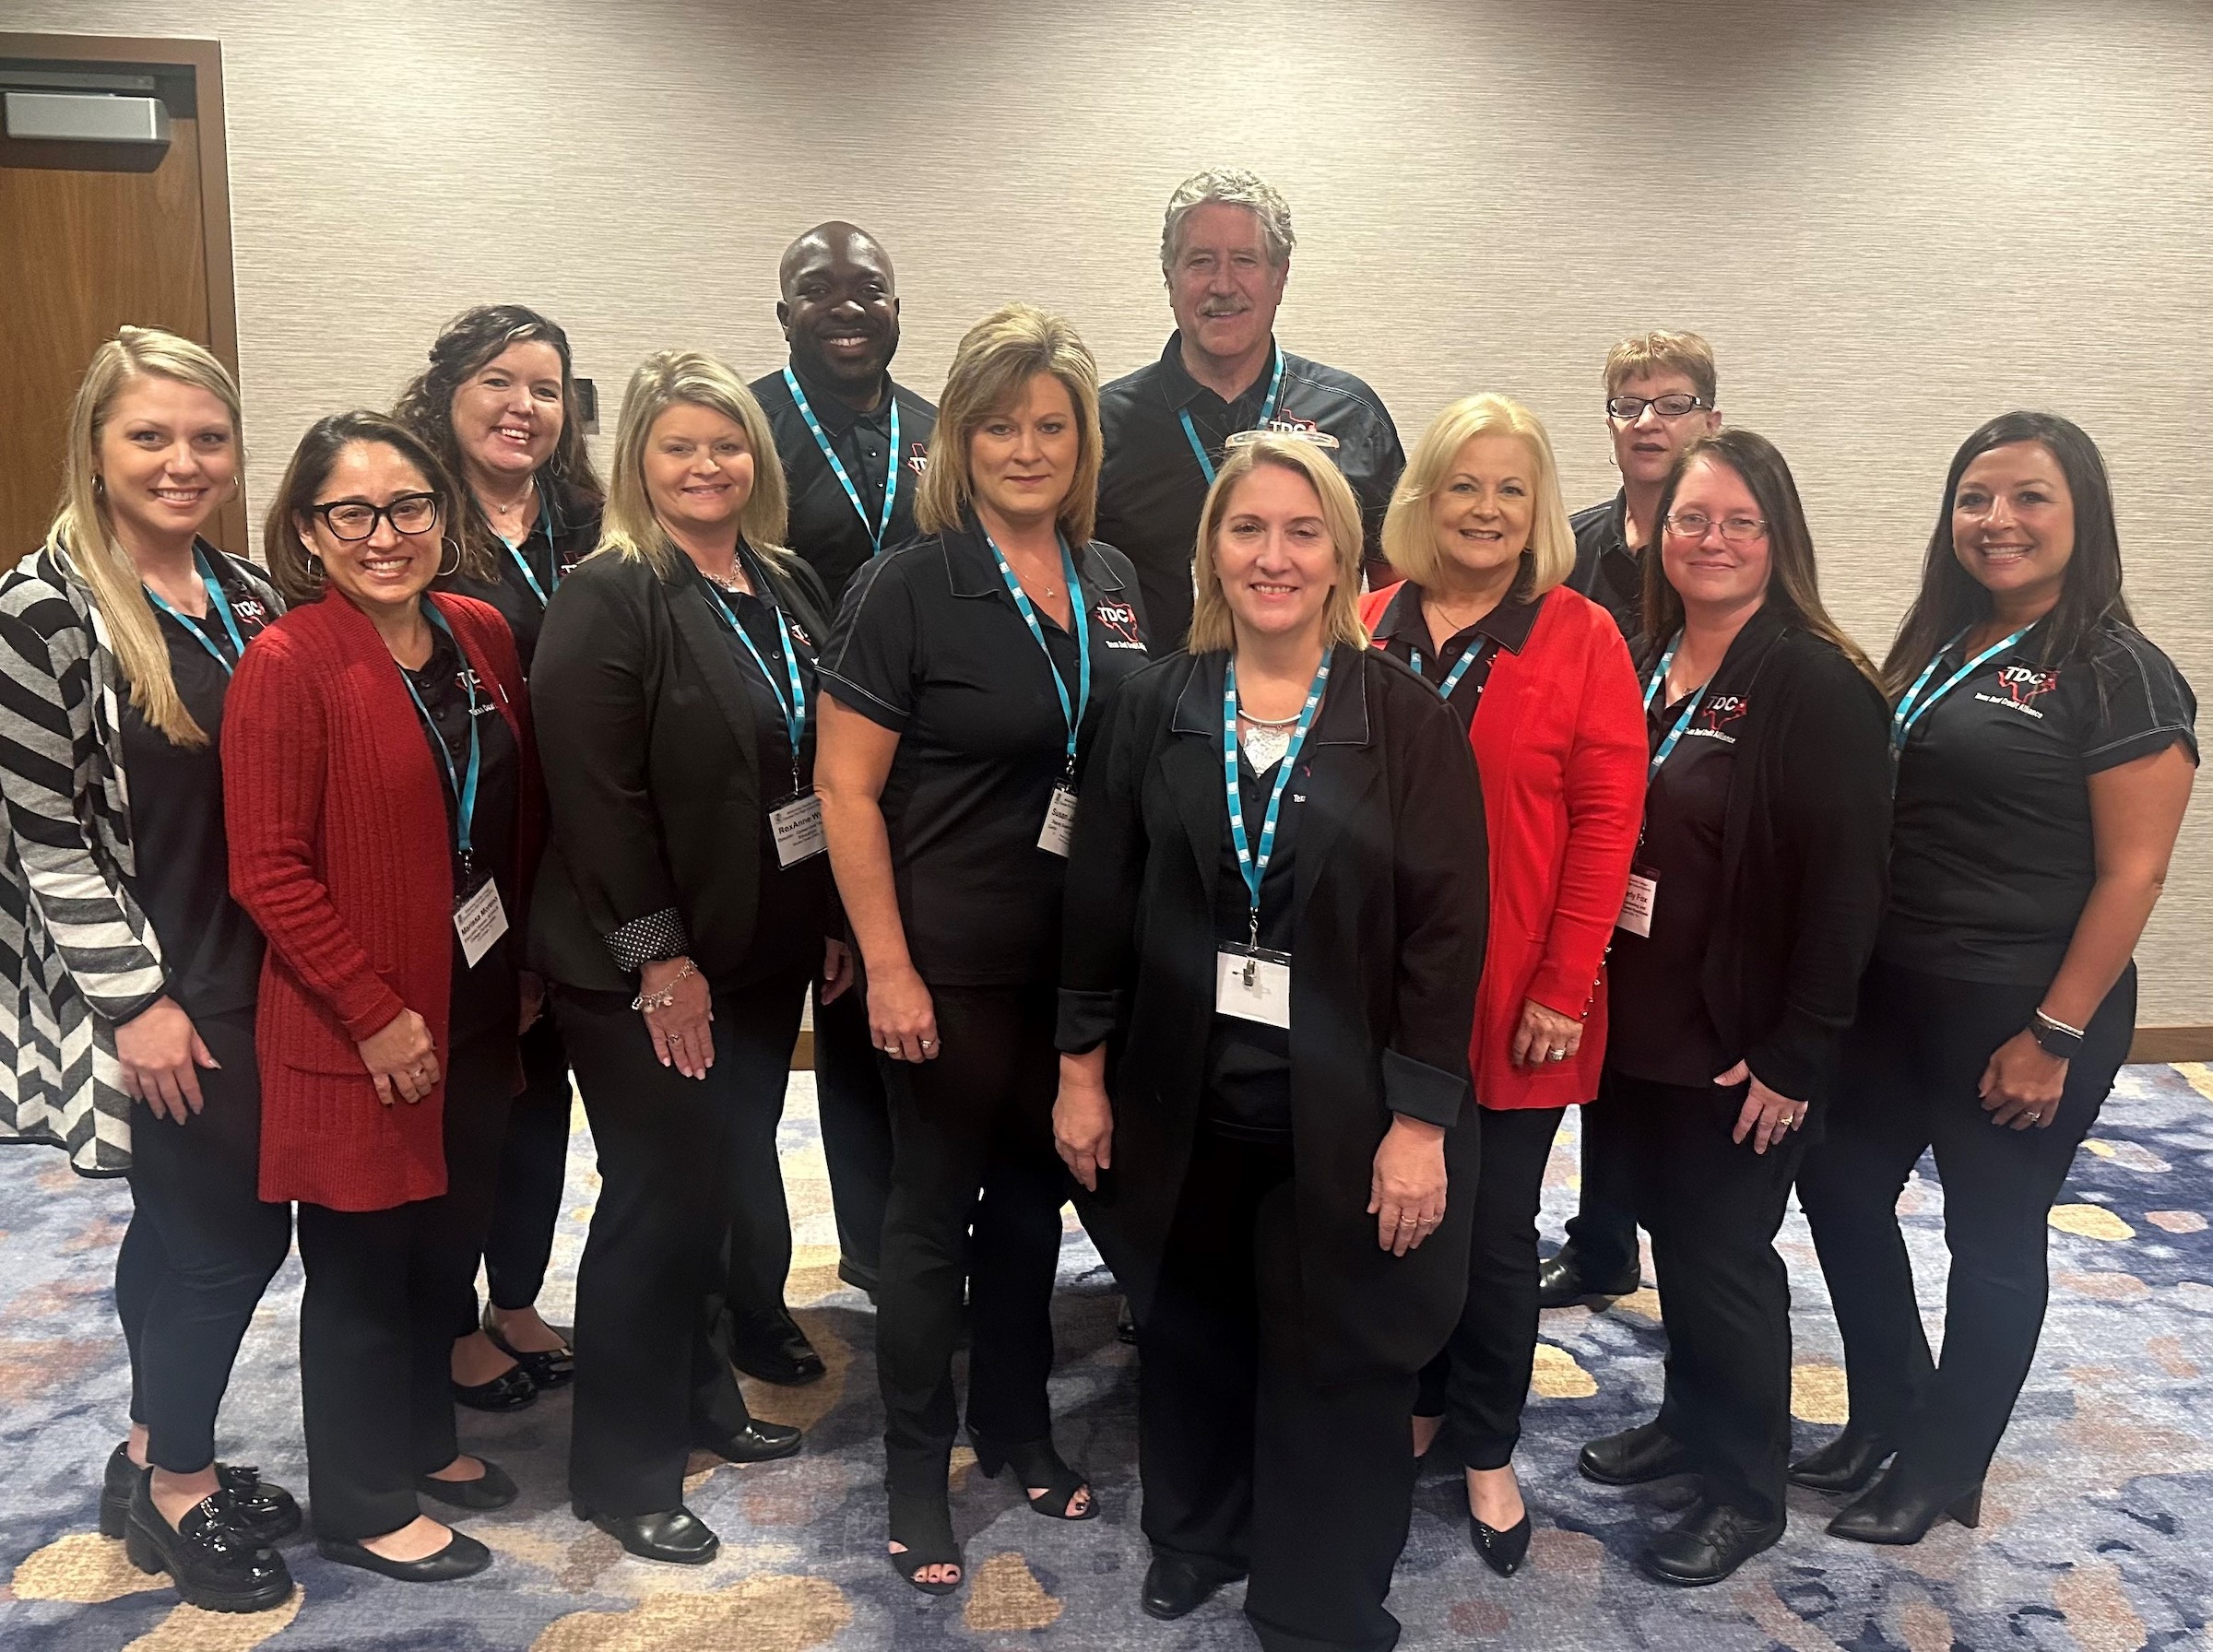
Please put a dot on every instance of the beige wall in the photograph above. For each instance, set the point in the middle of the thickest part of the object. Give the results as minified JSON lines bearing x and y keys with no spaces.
{"x":1892,"y":220}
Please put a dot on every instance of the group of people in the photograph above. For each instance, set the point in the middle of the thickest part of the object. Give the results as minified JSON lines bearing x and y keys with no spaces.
{"x":1171,"y":797}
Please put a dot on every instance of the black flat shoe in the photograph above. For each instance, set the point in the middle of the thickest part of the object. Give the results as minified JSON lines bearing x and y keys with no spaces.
{"x":1176,"y":1587}
{"x":675,"y":1536}
{"x":492,"y":1488}
{"x":214,"y":1566}
{"x":1035,"y":1463}
{"x":546,"y":1367}
{"x":1897,"y":1509}
{"x":773,"y":1348}
{"x":1125,"y":1325}
{"x":922,"y":1526}
{"x":1503,"y":1551}
{"x":1708,"y":1544}
{"x":1633,"y":1457}
{"x":757,"y":1441}
{"x":509,"y":1391}
{"x":463,"y":1556}
{"x":1562,"y":1282}
{"x":261,"y":1510}
{"x":1846,"y":1464}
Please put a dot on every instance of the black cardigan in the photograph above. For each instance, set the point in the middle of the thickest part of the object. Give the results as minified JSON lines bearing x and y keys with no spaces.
{"x":653,"y":779}
{"x":1389,"y":892}
{"x":1805,"y":856}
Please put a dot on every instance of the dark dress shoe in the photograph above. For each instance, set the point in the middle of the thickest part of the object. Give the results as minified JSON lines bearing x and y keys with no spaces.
{"x":1633,"y":1457}
{"x":509,"y":1391}
{"x":1125,"y":1325}
{"x":1899,"y":1509}
{"x":463,"y":1556}
{"x":1503,"y":1551}
{"x":214,"y":1566}
{"x":757,"y":1441}
{"x":1846,"y":1464}
{"x":1708,"y":1544}
{"x":1562,"y":1282}
{"x":773,"y":1348}
{"x":546,"y":1367}
{"x":261,"y":1510}
{"x":492,"y":1488}
{"x":1176,"y":1586}
{"x":675,"y":1536}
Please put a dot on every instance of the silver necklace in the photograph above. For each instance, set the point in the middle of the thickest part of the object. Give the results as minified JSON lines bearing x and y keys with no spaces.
{"x":1265,"y":740}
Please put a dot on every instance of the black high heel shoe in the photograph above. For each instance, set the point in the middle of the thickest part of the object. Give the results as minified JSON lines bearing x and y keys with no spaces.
{"x":1846,"y":1464}
{"x":922,"y":1526}
{"x":1899,"y":1510}
{"x":1035,"y":1463}
{"x":1503,"y":1551}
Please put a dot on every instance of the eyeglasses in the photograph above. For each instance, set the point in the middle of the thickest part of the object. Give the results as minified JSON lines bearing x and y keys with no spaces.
{"x":1630,"y":408}
{"x":355,"y":519}
{"x":1735,"y":530}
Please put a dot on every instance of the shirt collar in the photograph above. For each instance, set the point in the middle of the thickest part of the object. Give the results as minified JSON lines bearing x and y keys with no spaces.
{"x":837,"y":415}
{"x":1509,"y":624}
{"x":1342,"y":721}
{"x":971,"y":570}
{"x":1180,"y":389}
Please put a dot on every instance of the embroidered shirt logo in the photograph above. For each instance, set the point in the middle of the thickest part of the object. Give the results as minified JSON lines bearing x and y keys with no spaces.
{"x":1717,"y":716}
{"x":2023,"y":685}
{"x":1118,"y":625}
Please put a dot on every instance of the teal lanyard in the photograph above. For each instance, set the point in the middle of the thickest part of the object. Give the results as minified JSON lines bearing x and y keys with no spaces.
{"x":1474,"y":652}
{"x":1911,"y":708}
{"x":1255,"y":866}
{"x":464,"y":785}
{"x":837,"y":468}
{"x":545,"y":520}
{"x":1190,"y":433}
{"x":218,"y":604}
{"x":1073,"y":713}
{"x":1697,"y":697}
{"x":791,"y":699}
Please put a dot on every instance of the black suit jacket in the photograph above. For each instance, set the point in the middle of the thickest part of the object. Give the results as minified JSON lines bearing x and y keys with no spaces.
{"x":1389,"y":892}
{"x":654,"y":777}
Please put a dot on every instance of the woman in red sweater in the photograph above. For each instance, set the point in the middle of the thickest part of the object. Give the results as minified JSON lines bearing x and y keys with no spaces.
{"x":1544,"y":683}
{"x":380,"y":795}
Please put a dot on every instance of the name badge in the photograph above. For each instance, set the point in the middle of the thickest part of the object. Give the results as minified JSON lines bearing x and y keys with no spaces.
{"x":480,"y":921}
{"x":1637,"y":906}
{"x":1059,"y":835}
{"x":1254,"y":984}
{"x":797,"y":829}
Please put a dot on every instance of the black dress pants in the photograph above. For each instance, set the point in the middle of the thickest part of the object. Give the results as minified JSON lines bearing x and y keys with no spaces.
{"x":1248,"y":1463}
{"x":376,"y":1321}
{"x":1602,"y":1231}
{"x":652,"y":1368}
{"x":533,"y":1165}
{"x":856,"y":1132}
{"x":1912,"y":1069}
{"x":201,"y":1248}
{"x":1713,"y":1208}
{"x":973,"y":1150}
{"x":1480,"y":1381}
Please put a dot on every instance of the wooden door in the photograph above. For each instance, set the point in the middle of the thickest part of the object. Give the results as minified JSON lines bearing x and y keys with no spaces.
{"x":96,"y":236}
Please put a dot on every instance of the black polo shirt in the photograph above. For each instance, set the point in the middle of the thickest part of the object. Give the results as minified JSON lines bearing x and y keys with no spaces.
{"x":826,"y":528}
{"x":1606,"y":570}
{"x":1248,"y":1064}
{"x":1152,"y":488}
{"x":930,"y":645}
{"x":566,"y":531}
{"x":1403,"y":634}
{"x":1991,"y":855}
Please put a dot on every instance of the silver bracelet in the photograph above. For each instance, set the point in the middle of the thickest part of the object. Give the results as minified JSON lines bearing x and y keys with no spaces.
{"x":2058,"y":1025}
{"x":651,"y":1001}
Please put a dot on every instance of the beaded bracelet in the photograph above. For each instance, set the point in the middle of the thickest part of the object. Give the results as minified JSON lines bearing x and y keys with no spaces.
{"x":651,"y":1001}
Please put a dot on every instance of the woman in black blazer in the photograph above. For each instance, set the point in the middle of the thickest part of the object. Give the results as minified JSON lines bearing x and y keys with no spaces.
{"x":1287,"y":964}
{"x":1753,"y":905}
{"x":681,"y":913}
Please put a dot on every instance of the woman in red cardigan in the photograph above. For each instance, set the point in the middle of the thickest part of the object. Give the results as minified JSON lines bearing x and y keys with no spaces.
{"x":1543,"y":678}
{"x":381,"y":793}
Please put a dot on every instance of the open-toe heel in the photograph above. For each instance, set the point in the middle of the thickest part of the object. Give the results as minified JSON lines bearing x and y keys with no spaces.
{"x":1035,"y":1463}
{"x":922,"y":1526}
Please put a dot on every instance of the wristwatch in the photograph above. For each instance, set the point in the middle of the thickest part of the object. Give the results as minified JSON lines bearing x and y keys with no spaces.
{"x":2055,"y":1038}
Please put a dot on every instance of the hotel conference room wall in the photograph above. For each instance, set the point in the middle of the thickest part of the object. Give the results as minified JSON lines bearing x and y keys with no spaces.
{"x":1892,"y":220}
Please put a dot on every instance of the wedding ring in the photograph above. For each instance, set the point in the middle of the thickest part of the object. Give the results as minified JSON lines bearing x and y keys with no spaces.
{"x":929,"y":1044}
{"x":1555,"y":1054}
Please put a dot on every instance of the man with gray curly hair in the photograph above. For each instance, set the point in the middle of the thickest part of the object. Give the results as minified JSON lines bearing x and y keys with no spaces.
{"x":1225,"y":248}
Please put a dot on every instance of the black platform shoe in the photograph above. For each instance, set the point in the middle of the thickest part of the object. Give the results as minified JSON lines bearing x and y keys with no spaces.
{"x":1634,"y":1456}
{"x":214,"y":1566}
{"x":509,"y":1391}
{"x":1176,"y":1586}
{"x":463,"y":1556}
{"x":1899,"y":1509}
{"x":262,"y":1511}
{"x":492,"y":1488}
{"x":1035,"y":1463}
{"x":675,"y":1535}
{"x":1846,"y":1464}
{"x":1708,"y":1544}
{"x":757,"y":1441}
{"x":771,"y":1346}
{"x":1503,"y":1551}
{"x":1563,"y":1283}
{"x":546,"y":1367}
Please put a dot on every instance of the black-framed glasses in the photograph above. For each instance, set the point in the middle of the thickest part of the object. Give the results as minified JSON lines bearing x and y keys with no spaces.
{"x":1630,"y":408}
{"x":1735,"y":530}
{"x":356,"y":519}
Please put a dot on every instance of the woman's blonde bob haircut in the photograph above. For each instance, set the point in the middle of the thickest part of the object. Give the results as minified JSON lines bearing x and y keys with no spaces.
{"x":994,"y":362}
{"x":1410,"y":536}
{"x":83,"y":534}
{"x":689,"y":379}
{"x":1211,"y":627}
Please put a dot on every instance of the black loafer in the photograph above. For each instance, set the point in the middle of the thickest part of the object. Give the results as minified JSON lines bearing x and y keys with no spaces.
{"x":509,"y":1391}
{"x":1846,"y":1464}
{"x":262,"y":1511}
{"x":1176,"y":1586}
{"x":546,"y":1367}
{"x":773,"y":1348}
{"x":1633,"y":1457}
{"x":1708,"y":1544}
{"x":214,"y":1566}
{"x":462,"y":1557}
{"x":1562,"y":1282}
{"x":757,"y":1441}
{"x":675,"y":1536}
{"x":492,"y":1488}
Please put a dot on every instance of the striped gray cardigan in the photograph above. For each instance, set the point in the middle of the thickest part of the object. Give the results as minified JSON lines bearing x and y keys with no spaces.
{"x":74,"y":944}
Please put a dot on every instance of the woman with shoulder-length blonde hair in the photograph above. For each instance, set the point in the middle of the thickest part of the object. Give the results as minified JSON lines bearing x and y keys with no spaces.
{"x":135,"y":972}
{"x":1273,"y":923}
{"x":1540,"y":679}
{"x":685,"y":907}
{"x":967,"y":675}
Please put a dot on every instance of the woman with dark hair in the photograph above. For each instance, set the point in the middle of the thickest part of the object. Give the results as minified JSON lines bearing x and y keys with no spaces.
{"x":2045,"y":752}
{"x":381,"y":793}
{"x":1753,"y":903}
{"x":498,"y":404}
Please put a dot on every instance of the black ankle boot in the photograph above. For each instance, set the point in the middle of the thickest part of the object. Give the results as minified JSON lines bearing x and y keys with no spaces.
{"x":1900,"y":1509}
{"x":215,"y":1566}
{"x":1846,"y":1464}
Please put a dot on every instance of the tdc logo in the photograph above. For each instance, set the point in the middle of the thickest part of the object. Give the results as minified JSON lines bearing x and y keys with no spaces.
{"x":2025,"y":683}
{"x":1722,"y":711}
{"x":1117,"y":620}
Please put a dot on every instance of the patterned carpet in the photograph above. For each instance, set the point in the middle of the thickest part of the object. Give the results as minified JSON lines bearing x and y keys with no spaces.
{"x":2097,"y":1530}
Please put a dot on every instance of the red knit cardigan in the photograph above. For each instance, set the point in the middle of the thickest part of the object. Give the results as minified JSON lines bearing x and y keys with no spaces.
{"x":340,"y":851}
{"x":1559,"y":741}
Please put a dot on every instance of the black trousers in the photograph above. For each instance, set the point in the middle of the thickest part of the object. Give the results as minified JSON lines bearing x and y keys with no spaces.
{"x":973,"y":1150}
{"x":1602,"y":1231}
{"x":1713,"y":1208}
{"x":1480,"y":1381}
{"x":532,"y":1167}
{"x":376,"y":1321}
{"x":758,"y":1258}
{"x":1912,"y":1067}
{"x":653,"y":1369}
{"x":1248,"y":1463}
{"x":856,"y":1132}
{"x":201,"y":1248}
